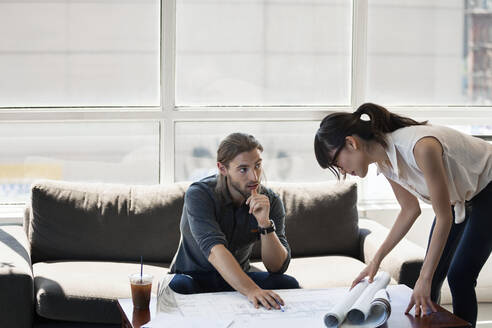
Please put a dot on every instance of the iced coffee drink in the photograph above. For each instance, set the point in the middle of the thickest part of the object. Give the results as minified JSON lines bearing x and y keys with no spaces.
{"x":141,"y":285}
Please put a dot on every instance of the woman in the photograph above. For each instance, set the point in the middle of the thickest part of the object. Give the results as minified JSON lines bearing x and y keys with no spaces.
{"x":436,"y":164}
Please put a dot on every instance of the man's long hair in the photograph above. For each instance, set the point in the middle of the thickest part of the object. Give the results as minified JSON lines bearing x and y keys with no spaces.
{"x":233,"y":145}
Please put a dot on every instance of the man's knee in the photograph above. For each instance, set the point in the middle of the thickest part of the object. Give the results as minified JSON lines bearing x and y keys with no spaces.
{"x":285,"y":281}
{"x":183,"y":284}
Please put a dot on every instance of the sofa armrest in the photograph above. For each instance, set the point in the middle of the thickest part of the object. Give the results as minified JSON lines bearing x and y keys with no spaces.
{"x":403,"y":263}
{"x":16,"y":278}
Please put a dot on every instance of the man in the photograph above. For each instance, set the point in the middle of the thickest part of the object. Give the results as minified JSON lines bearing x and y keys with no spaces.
{"x":223,"y":216}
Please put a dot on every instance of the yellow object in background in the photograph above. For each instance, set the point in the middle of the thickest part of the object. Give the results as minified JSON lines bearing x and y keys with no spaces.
{"x":16,"y":179}
{"x":30,"y":171}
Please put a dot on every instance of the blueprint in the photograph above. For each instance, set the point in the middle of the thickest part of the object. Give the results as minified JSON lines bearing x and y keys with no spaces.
{"x":303,"y":308}
{"x":232,"y":309}
{"x":367,"y":305}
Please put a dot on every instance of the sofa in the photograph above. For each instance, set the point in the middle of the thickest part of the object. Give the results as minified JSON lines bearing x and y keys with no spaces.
{"x":69,"y":262}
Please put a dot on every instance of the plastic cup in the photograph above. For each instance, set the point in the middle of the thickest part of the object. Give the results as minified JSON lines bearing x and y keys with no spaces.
{"x":141,"y":286}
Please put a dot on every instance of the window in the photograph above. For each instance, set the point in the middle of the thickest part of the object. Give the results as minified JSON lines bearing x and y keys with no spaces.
{"x":429,"y":52}
{"x":92,"y":152}
{"x":79,"y":53}
{"x":289,"y":160}
{"x":263,"y":52}
{"x":142,"y":91}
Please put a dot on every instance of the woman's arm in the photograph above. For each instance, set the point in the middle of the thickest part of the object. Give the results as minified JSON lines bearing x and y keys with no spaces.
{"x":428,"y":156}
{"x":410,"y":210}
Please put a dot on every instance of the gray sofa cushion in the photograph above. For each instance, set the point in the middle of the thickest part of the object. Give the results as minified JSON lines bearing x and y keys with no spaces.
{"x":86,"y":291}
{"x":16,"y":281}
{"x":92,"y":221}
{"x":321,"y":218}
{"x":83,"y":221}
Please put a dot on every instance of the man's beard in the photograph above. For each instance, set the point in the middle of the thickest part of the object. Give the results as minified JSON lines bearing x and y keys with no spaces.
{"x":237,"y":187}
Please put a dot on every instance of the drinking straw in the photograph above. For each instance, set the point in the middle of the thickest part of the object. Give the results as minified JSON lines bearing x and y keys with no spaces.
{"x":141,"y":268}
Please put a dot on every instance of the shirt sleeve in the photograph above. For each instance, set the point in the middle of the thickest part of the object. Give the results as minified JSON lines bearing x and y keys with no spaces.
{"x":200,"y":209}
{"x":277,"y":214}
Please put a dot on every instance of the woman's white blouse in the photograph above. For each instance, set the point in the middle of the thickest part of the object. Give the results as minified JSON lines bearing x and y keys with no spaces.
{"x":467,"y":161}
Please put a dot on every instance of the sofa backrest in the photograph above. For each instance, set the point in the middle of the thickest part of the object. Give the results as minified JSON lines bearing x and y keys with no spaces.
{"x":321,"y":218}
{"x":85,"y":221}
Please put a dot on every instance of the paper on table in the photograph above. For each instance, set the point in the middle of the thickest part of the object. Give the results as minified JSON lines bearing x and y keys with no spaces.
{"x":170,"y":320}
{"x":363,"y":306}
{"x":303,"y":307}
{"x":166,"y":301}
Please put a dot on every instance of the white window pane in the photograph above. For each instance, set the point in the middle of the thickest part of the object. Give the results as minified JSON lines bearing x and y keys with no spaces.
{"x":288,"y":149}
{"x":374,"y":188}
{"x":259,"y":52}
{"x":428,"y":52}
{"x":89,"y":152}
{"x":67,"y":53}
{"x":476,"y":130}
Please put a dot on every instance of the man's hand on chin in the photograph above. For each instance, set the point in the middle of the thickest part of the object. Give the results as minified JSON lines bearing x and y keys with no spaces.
{"x":259,"y":206}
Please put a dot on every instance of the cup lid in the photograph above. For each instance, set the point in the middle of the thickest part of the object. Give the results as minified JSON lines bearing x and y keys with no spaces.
{"x":144,"y":277}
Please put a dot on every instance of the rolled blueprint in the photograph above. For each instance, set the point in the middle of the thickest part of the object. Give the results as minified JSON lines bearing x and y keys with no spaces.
{"x":359,"y":312}
{"x":378,"y":315}
{"x":380,"y":309}
{"x":335,"y":317}
{"x":366,"y":305}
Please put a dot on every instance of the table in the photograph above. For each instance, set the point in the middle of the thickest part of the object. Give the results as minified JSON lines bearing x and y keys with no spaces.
{"x":134,"y":318}
{"x":400,"y":295}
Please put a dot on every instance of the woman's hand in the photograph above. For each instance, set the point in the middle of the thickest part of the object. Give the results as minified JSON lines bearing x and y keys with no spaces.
{"x":421,"y":298}
{"x":370,"y":271}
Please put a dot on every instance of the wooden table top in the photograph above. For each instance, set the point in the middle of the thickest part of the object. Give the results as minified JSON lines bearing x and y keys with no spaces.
{"x":399,"y":294}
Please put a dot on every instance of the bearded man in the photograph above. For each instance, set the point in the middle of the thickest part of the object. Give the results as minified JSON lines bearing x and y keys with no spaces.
{"x":223,"y":216}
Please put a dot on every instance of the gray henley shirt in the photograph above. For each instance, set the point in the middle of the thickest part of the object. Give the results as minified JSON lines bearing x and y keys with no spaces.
{"x":208,"y":220}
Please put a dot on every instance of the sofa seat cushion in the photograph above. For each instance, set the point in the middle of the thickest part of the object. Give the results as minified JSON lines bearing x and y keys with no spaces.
{"x":323,"y":271}
{"x":86,"y":291}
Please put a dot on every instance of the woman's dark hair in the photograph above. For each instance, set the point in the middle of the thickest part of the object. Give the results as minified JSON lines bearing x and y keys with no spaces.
{"x":330,"y":137}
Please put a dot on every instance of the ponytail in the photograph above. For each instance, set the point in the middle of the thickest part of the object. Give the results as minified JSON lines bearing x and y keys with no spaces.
{"x":382,"y":120}
{"x":370,"y":122}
